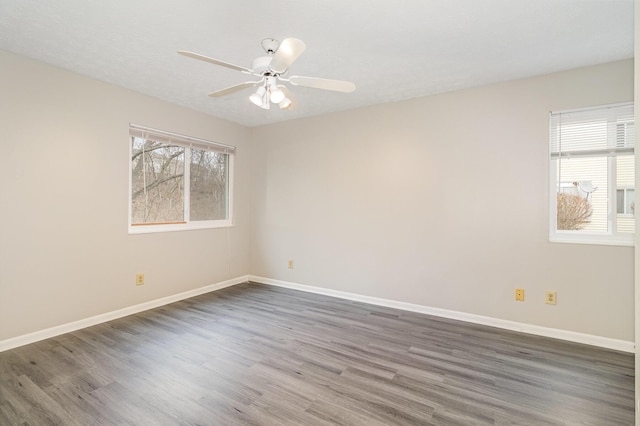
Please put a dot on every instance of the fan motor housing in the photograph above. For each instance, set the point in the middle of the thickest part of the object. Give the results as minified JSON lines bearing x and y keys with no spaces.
{"x":261,"y":65}
{"x":270,"y":45}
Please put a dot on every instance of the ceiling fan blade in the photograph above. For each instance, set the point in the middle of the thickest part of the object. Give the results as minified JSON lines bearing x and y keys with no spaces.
{"x":287,"y":53}
{"x":215,"y":61}
{"x":233,"y":89}
{"x":323,"y":83}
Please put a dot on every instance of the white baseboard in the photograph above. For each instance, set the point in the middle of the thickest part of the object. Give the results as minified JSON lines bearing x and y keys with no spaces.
{"x":25,"y":339}
{"x":571,"y":336}
{"x":589,"y":339}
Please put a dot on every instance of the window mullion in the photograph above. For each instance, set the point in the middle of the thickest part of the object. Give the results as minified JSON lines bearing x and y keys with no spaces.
{"x":187,"y":184}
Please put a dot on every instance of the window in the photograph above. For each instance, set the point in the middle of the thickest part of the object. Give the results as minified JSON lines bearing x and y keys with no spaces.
{"x":178,"y":182}
{"x":593,"y":175}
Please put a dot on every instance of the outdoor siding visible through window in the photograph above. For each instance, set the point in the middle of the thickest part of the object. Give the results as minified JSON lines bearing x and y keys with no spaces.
{"x":592,"y":175}
{"x":178,"y":182}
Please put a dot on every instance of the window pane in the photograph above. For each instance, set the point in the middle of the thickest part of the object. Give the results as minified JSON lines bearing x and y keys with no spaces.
{"x":157,"y":193}
{"x":586,"y":208}
{"x":625,"y":179}
{"x":629,"y":202}
{"x":620,"y":201}
{"x":209,"y":172}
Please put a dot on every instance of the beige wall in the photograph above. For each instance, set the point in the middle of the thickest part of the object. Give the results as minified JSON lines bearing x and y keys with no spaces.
{"x":65,"y":253}
{"x":440,"y":201}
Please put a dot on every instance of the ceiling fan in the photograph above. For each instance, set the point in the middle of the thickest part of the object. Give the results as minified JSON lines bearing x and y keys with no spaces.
{"x":272,"y":70}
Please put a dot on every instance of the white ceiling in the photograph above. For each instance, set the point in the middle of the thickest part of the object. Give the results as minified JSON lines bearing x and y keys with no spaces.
{"x":391,"y":50}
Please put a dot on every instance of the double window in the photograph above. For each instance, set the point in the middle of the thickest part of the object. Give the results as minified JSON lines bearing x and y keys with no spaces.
{"x":593,"y":175}
{"x":178,"y":182}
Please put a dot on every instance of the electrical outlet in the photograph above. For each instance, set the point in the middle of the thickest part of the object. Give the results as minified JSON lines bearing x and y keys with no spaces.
{"x":520,"y":294}
{"x":290,"y":264}
{"x":139,"y":279}
{"x":550,"y":297}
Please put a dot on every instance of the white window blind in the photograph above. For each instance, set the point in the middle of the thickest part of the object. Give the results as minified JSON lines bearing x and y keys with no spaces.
{"x":602,"y":131}
{"x":177,"y":139}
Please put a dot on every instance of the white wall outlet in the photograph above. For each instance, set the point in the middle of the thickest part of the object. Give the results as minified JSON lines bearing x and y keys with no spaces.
{"x":550,"y":298}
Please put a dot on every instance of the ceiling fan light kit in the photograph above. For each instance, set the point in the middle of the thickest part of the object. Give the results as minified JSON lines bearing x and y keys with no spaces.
{"x":271,"y":70}
{"x":269,"y":93}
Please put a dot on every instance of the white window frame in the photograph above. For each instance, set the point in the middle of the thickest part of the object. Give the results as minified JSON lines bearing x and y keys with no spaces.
{"x":187,"y":142}
{"x":612,"y":237}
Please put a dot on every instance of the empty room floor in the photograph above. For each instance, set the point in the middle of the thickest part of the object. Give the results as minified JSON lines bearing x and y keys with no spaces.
{"x":255,"y":354}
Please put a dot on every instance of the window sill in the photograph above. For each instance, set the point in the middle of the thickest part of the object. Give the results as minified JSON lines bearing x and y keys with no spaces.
{"x":152,"y":229}
{"x":592,"y":240}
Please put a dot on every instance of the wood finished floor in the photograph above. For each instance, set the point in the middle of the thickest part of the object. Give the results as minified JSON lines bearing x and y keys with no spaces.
{"x":253,"y":354}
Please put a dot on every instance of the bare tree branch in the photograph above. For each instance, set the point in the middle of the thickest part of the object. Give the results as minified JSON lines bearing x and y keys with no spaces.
{"x":574,"y":211}
{"x":154,"y":184}
{"x":146,"y":151}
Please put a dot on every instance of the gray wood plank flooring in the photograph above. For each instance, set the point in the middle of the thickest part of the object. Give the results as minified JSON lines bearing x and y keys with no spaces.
{"x":259,"y":355}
